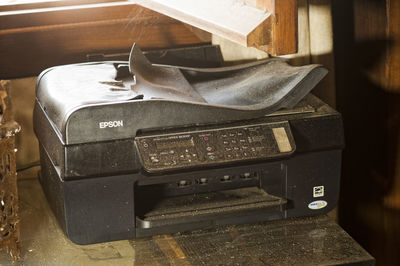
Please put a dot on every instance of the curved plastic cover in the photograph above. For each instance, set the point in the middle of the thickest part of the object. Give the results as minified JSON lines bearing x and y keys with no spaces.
{"x":230,"y":93}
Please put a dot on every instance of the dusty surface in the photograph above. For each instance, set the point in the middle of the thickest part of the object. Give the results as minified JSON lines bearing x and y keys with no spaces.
{"x":305,"y":241}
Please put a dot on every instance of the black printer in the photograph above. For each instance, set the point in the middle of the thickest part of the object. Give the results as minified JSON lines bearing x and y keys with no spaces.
{"x":125,"y":153}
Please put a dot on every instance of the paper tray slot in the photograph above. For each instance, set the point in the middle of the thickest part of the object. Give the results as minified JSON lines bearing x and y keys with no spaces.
{"x":205,"y":206}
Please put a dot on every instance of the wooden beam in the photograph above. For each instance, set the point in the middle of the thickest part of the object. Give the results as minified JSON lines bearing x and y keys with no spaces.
{"x":269,"y":25}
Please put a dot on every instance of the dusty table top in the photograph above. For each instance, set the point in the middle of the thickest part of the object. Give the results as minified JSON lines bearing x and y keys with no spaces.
{"x":303,"y":241}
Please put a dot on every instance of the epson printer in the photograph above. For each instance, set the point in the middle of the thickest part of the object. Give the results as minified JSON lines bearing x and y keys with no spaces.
{"x":133,"y":149}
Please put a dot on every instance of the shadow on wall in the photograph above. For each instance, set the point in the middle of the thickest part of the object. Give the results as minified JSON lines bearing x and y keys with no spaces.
{"x":370,"y":193}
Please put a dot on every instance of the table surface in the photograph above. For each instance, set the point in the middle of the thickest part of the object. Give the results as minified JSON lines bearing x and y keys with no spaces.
{"x":302,"y":241}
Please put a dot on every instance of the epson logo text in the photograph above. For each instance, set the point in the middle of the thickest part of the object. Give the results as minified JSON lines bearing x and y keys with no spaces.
{"x":119,"y":123}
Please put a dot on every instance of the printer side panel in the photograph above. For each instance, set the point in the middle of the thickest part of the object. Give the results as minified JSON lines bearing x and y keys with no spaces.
{"x":90,"y":210}
{"x":313,"y":182}
{"x":313,"y":173}
{"x":52,"y":187}
{"x":48,"y":137}
{"x":100,"y":210}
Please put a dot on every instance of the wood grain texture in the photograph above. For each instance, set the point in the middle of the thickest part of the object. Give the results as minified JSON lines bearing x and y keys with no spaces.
{"x":393,"y":29}
{"x":33,"y":40}
{"x":24,"y":5}
{"x":231,"y":19}
{"x":268,"y":25}
{"x":366,"y":37}
{"x":283,"y":28}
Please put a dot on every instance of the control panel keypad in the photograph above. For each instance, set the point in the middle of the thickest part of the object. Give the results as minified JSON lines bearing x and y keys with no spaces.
{"x":206,"y":147}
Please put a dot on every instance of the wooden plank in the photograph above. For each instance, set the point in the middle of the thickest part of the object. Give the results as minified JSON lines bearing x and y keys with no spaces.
{"x":230,"y":19}
{"x":392,"y":67}
{"x":366,"y":33}
{"x":24,"y":5}
{"x":393,"y":64}
{"x":75,"y":14}
{"x":285,"y":27}
{"x":33,"y":41}
{"x":268,"y":25}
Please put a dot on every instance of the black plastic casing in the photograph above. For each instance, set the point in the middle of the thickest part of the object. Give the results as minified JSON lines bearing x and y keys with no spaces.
{"x":99,"y":189}
{"x":91,"y":186}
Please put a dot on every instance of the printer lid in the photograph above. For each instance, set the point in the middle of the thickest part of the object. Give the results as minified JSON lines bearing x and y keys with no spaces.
{"x":208,"y":95}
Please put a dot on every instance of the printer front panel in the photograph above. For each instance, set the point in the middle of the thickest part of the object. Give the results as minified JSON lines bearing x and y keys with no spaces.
{"x":215,"y":147}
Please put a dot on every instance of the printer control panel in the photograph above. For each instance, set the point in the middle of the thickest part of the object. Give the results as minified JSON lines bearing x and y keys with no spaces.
{"x":215,"y":146}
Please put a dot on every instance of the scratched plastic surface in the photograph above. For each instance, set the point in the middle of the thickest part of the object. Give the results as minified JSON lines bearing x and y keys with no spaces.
{"x":302,"y":241}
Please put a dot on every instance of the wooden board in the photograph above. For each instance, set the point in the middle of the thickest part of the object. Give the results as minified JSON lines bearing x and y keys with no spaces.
{"x":367,"y":54}
{"x":35,"y":39}
{"x":268,"y":25}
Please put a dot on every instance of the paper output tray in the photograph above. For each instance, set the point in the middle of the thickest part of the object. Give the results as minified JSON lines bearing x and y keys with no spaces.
{"x":208,"y":206}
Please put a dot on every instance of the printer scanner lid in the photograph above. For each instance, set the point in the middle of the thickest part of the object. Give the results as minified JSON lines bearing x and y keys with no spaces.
{"x":78,"y":97}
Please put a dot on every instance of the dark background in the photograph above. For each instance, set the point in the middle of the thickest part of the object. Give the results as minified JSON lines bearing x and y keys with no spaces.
{"x":366,"y":41}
